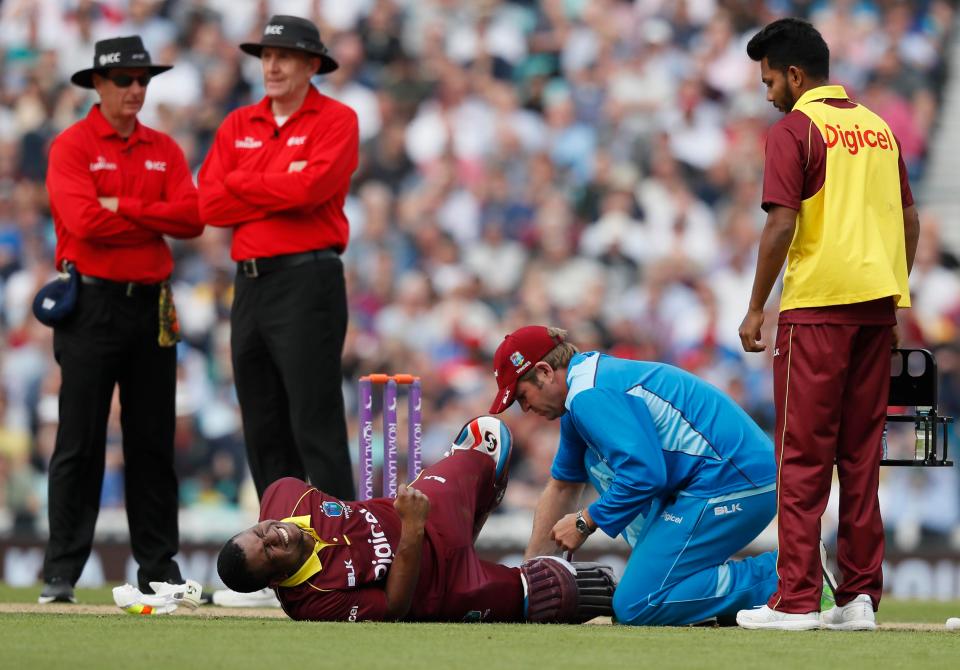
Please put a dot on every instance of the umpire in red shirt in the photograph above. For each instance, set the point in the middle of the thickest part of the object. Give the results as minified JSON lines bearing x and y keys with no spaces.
{"x":116,"y":188}
{"x":278,"y":174}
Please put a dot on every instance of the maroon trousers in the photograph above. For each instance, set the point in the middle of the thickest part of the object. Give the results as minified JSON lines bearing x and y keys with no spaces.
{"x":831,"y":382}
{"x":460,"y":586}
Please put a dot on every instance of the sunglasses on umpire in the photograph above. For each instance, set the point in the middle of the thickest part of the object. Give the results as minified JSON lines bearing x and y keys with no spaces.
{"x":126,"y":80}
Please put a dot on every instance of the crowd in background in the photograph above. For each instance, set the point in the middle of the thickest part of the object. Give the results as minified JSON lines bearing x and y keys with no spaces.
{"x":589,"y":164}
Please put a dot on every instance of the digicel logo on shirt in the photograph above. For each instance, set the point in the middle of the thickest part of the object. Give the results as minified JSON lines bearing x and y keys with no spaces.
{"x":857,"y":139}
{"x":381,"y":545}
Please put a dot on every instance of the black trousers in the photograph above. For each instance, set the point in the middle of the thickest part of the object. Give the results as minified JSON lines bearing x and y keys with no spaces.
{"x":287,"y":332}
{"x":110,"y":340}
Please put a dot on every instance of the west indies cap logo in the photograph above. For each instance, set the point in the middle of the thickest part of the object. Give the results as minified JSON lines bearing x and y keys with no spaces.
{"x":332,"y":509}
{"x":519,"y":351}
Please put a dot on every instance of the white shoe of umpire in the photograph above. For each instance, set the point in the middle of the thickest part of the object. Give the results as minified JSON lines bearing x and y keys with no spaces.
{"x":765,"y":618}
{"x":262,"y":598}
{"x":855,"y":615}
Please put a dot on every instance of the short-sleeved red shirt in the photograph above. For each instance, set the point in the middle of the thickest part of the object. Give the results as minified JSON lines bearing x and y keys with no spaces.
{"x":796,"y":162}
{"x":795,"y":169}
{"x":361,"y":538}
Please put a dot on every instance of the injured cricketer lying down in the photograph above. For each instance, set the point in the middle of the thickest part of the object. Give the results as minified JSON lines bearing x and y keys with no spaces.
{"x":411,"y":558}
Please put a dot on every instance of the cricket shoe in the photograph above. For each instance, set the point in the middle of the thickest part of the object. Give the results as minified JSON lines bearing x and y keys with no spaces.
{"x":855,"y":615}
{"x":719,"y":621}
{"x":57,"y":590}
{"x":490,"y":436}
{"x":764,"y":618}
{"x":263,"y":598}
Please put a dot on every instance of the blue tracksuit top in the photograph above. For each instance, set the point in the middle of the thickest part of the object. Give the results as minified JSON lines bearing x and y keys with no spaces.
{"x":646,"y":432}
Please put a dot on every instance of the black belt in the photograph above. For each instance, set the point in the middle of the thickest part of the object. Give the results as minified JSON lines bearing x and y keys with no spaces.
{"x":128,"y":288}
{"x":255,"y":267}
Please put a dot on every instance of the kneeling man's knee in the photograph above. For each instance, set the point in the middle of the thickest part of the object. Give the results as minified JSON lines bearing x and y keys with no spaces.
{"x":628,"y":608}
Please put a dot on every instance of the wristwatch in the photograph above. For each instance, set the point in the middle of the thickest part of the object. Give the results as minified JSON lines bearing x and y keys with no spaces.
{"x":582,"y":527}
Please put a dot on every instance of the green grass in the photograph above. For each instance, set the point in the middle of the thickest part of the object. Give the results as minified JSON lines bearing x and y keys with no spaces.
{"x":9,"y":594}
{"x":81,"y":641}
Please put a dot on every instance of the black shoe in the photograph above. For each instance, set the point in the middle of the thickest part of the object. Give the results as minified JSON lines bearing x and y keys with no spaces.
{"x":57,"y":590}
{"x":726,"y":620}
{"x":720,"y":621}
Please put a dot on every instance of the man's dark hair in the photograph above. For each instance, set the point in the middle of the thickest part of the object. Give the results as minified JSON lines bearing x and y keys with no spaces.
{"x":234,"y":571}
{"x":787,"y":42}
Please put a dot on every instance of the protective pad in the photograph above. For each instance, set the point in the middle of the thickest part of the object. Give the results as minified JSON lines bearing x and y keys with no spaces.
{"x":595,"y":586}
{"x":550,"y":590}
{"x":165,"y":599}
{"x":187,"y":594}
{"x":132,"y":601}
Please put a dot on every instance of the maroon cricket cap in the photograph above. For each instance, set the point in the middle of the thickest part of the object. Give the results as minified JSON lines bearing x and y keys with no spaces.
{"x":519,"y":351}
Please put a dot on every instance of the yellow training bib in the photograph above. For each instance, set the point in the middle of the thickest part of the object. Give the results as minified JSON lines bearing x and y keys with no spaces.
{"x":849,"y":243}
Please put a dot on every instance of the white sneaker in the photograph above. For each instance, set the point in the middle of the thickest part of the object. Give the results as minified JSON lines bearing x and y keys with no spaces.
{"x":262,"y":598}
{"x":855,"y":615}
{"x":766,"y":618}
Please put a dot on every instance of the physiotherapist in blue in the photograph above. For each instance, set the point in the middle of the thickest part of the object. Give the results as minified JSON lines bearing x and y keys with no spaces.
{"x":682,"y":472}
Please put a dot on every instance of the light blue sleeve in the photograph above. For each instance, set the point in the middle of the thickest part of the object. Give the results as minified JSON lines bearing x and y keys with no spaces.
{"x":568,"y":464}
{"x":621,"y":429}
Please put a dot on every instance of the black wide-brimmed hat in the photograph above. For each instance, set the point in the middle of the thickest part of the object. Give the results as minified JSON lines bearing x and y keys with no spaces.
{"x":114,"y":53}
{"x":292,"y":32}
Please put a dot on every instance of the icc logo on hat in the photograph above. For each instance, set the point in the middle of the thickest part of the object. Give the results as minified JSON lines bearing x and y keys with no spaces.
{"x":516,"y":358}
{"x":292,"y":32}
{"x":117,"y":52}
